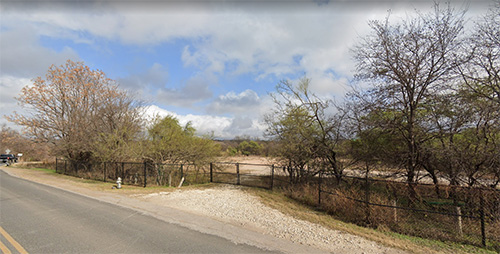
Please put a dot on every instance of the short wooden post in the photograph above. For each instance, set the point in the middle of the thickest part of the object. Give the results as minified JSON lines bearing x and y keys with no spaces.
{"x":181,"y":182}
{"x":56,"y":164}
{"x":169,"y":178}
{"x":459,"y":220}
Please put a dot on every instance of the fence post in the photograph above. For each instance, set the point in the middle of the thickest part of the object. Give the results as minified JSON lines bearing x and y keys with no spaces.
{"x":395,"y":204}
{"x":319,"y":187}
{"x":169,"y":178}
{"x":123,"y":171}
{"x":116,"y":171}
{"x":105,"y":173}
{"x":481,"y":214}
{"x":458,"y":210}
{"x":395,"y":210}
{"x":272,"y":177}
{"x":65,"y":165}
{"x":160,"y":175}
{"x":211,"y":172}
{"x":56,"y":164}
{"x":367,"y":199}
{"x":237,"y":174}
{"x":145,"y":174}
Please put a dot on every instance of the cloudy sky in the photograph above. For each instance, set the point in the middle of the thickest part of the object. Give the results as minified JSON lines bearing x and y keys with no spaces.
{"x":213,"y":63}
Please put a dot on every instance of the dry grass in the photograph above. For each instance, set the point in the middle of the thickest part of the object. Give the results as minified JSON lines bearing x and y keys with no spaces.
{"x":282,"y":202}
{"x":50,"y":177}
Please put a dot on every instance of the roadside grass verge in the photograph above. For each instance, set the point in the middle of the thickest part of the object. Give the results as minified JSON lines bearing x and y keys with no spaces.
{"x":280,"y":201}
{"x":99,"y":185}
{"x":46,"y":170}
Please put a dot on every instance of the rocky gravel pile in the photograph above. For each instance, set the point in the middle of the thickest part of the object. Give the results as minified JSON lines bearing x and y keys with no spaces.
{"x":232,"y":205}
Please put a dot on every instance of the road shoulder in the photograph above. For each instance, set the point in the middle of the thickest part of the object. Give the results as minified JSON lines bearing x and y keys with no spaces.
{"x":203,"y":224}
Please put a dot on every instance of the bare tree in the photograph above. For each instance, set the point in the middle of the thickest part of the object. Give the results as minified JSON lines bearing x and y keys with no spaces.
{"x":481,"y":87}
{"x":482,"y":73}
{"x":466,"y":135}
{"x":406,"y":62}
{"x":308,"y":137}
{"x":374,"y":133}
{"x":76,"y":108}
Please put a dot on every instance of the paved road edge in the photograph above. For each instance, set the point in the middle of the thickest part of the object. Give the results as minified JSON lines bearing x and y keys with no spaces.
{"x":188,"y":220}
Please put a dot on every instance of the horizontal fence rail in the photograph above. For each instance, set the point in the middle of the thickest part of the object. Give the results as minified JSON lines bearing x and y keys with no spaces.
{"x":468,"y":215}
{"x":449,"y":213}
{"x":136,"y":173}
{"x":246,"y":174}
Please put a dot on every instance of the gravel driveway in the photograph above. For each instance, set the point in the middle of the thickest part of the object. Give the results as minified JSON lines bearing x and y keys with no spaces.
{"x":233,"y":205}
{"x":228,"y":204}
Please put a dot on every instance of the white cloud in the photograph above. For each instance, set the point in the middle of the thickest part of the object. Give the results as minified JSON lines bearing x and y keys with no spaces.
{"x":252,"y":40}
{"x":193,"y":90}
{"x":219,"y":127}
{"x":244,"y":126}
{"x":23,"y":56}
{"x":154,"y":85}
{"x":328,"y":85}
{"x":246,"y":101}
{"x":259,"y":40}
{"x":142,"y":84}
{"x":10,"y":87}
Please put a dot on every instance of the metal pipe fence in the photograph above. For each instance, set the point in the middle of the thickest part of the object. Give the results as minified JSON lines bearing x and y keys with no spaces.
{"x":245,"y":174}
{"x":136,"y":173}
{"x":448,"y":213}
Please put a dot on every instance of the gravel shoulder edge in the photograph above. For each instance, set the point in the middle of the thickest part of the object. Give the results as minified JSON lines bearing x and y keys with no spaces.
{"x":203,"y":224}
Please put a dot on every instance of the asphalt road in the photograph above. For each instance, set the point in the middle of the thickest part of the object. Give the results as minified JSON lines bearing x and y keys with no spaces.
{"x":42,"y":219}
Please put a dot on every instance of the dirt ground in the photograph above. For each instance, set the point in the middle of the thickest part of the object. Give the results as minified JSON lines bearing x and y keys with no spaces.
{"x":250,"y":160}
{"x":225,"y":211}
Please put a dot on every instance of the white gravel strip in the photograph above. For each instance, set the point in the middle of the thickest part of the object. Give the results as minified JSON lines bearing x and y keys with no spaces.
{"x":232,"y":205}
